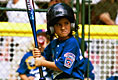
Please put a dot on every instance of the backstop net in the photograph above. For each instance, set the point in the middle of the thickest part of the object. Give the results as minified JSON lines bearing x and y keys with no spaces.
{"x":16,"y":38}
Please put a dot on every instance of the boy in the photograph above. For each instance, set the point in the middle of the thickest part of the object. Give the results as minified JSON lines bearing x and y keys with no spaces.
{"x":27,"y":70}
{"x":62,"y":55}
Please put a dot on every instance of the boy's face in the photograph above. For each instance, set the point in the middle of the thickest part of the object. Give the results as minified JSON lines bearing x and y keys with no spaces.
{"x":62,"y":28}
{"x":41,"y":39}
{"x":42,"y":42}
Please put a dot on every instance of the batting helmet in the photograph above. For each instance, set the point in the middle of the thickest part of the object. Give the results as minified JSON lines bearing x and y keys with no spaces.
{"x":58,"y":11}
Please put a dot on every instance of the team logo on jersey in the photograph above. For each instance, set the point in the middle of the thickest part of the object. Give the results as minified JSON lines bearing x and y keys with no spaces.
{"x":30,"y":62}
{"x":69,"y":59}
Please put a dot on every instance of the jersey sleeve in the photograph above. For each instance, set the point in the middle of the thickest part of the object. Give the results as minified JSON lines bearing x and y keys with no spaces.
{"x":69,"y":56}
{"x":22,"y":67}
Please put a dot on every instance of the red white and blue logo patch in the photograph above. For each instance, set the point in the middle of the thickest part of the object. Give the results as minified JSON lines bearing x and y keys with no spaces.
{"x":69,"y":59}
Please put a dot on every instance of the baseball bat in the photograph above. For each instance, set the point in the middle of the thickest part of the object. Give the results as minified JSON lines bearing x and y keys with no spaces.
{"x":31,"y":16}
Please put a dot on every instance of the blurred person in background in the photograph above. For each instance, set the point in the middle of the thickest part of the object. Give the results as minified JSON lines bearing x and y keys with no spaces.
{"x":116,"y":21}
{"x":54,"y":2}
{"x":68,"y":2}
{"x":104,"y":12}
{"x":59,"y":1}
{"x":27,"y":69}
{"x":20,"y":16}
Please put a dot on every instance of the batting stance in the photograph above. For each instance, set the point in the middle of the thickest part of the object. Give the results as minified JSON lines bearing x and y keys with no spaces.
{"x":62,"y":55}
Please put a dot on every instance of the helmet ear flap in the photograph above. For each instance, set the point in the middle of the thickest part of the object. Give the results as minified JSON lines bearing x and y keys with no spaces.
{"x":74,"y":27}
{"x":51,"y":29}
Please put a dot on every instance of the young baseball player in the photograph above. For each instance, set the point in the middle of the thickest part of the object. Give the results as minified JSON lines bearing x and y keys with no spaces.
{"x":27,"y":69}
{"x":62,"y":55}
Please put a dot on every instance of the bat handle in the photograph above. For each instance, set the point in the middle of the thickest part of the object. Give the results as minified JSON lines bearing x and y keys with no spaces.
{"x":41,"y":74}
{"x":42,"y":78}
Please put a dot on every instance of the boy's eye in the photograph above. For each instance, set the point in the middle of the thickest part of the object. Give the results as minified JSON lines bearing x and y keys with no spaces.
{"x":57,"y":24}
{"x":66,"y":23}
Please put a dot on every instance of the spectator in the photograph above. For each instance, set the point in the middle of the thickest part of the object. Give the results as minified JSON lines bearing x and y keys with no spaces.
{"x":54,"y":2}
{"x":20,"y":16}
{"x":116,"y":21}
{"x":27,"y":70}
{"x":67,"y":2}
{"x":104,"y":12}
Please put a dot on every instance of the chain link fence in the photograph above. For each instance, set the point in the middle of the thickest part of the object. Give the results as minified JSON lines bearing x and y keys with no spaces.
{"x":16,"y":38}
{"x":16,"y":41}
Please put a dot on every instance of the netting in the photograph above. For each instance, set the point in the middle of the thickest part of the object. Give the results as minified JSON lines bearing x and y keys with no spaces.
{"x":16,"y":37}
{"x":10,"y":54}
{"x":103,"y":55}
{"x":15,"y":40}
{"x":103,"y":50}
{"x":14,"y":10}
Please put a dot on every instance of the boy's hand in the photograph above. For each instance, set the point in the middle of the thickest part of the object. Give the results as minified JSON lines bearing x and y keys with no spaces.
{"x":38,"y":57}
{"x":30,"y":78}
{"x":36,"y":53}
{"x":87,"y":79}
{"x":39,"y":61}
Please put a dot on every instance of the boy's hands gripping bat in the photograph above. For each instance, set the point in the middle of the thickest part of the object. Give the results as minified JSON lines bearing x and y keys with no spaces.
{"x":31,"y":15}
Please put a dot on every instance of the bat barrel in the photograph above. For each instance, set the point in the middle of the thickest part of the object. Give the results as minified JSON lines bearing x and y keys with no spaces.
{"x":36,"y":46}
{"x":34,"y":33}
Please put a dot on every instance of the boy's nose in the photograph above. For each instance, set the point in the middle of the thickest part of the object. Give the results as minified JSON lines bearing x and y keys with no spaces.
{"x":62,"y":27}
